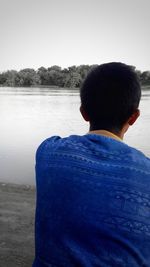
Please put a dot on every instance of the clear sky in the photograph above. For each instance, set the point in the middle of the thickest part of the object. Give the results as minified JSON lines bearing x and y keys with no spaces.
{"x":35,"y":33}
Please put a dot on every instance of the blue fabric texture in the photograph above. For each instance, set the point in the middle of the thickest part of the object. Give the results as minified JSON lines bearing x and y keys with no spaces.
{"x":93,"y":203}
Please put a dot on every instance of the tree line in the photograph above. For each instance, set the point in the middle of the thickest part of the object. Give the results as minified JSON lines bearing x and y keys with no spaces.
{"x":71,"y":77}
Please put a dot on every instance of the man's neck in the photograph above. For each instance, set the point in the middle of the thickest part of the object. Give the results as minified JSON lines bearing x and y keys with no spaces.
{"x":118,"y":137}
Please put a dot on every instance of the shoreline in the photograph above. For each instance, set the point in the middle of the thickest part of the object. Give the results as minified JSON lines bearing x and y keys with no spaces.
{"x":17,"y":212}
{"x":24,"y":187}
{"x":144,"y":87}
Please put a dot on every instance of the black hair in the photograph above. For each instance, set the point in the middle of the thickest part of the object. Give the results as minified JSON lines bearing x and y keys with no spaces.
{"x":109,"y":95}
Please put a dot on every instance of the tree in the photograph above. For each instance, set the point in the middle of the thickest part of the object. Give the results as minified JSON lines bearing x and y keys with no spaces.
{"x":8,"y":78}
{"x":73,"y":79}
{"x":3,"y":78}
{"x":83,"y":71}
{"x":145,"y":77}
{"x":27,"y":77}
{"x":70,"y":77}
{"x":54,"y":75}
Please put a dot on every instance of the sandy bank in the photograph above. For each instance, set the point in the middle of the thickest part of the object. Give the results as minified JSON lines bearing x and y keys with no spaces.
{"x":17,"y":208}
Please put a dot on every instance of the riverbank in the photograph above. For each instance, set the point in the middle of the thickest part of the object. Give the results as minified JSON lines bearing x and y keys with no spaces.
{"x":17,"y":209}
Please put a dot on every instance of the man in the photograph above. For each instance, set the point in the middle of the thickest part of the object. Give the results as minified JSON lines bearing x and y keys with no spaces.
{"x":93,"y":191}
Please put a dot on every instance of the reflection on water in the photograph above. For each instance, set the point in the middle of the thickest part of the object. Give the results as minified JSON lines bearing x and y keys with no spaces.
{"x":28,"y":116}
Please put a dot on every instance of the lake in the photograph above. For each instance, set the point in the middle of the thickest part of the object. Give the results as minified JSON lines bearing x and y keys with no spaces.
{"x":30,"y":115}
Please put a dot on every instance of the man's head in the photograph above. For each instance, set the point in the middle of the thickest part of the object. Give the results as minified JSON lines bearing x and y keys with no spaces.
{"x":110,"y":97}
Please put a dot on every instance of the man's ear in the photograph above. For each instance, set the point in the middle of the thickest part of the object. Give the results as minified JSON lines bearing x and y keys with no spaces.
{"x":84,"y":115}
{"x":134,"y":117}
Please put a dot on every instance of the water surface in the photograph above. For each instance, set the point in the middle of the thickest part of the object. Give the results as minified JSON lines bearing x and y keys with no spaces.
{"x":28,"y":116}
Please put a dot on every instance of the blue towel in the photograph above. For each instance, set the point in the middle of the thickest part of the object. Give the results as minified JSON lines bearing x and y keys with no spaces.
{"x":93,"y":203}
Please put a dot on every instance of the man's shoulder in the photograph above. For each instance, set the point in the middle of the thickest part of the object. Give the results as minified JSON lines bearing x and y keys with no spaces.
{"x":51,"y":141}
{"x":46,"y":144}
{"x":57,"y":143}
{"x":140,"y":160}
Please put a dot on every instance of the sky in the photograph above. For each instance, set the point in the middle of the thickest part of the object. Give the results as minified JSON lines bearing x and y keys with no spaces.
{"x":35,"y":33}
